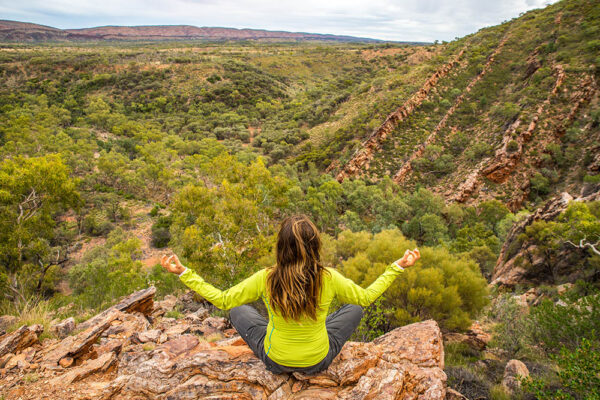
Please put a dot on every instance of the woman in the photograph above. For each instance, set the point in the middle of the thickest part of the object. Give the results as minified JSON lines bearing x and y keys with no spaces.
{"x":297,"y":293}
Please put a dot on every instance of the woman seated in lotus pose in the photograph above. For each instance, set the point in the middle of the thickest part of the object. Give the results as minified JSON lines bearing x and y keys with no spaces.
{"x":297,"y":292}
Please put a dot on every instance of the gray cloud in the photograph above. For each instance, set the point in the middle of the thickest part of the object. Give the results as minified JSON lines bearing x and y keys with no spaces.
{"x":422,"y":20}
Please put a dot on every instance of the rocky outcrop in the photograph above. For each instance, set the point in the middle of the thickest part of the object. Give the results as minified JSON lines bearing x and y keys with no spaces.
{"x":406,"y":168}
{"x":513,"y":372}
{"x":360,"y":160}
{"x":475,"y":337}
{"x":507,"y":272}
{"x":20,"y":339}
{"x":127,"y":355}
{"x":63,"y":328}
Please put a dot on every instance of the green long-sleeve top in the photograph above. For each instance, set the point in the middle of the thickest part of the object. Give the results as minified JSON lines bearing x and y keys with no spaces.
{"x":294,"y":343}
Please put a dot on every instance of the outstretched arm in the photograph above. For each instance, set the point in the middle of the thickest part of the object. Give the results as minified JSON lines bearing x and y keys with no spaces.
{"x":247,"y":291}
{"x":349,"y":292}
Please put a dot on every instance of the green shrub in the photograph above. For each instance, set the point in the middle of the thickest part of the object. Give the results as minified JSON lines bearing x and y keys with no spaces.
{"x":161,"y":234}
{"x":578,"y":374}
{"x":441,"y":286}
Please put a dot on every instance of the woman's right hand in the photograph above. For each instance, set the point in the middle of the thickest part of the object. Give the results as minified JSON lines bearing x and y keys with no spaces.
{"x":409,"y":258}
{"x":172,"y":264}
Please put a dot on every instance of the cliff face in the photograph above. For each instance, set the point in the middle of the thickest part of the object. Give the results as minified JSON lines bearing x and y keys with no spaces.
{"x":507,"y":271}
{"x":134,"y":352}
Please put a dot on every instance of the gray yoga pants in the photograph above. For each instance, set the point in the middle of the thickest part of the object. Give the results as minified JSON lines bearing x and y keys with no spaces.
{"x":252,"y":327}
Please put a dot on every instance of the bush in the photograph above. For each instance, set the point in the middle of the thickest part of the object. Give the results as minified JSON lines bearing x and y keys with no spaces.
{"x":160,"y":232}
{"x":96,"y":224}
{"x":567,"y":325}
{"x":578,"y":375}
{"x":441,"y":286}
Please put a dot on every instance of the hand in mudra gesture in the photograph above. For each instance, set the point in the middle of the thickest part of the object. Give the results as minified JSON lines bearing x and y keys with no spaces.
{"x":409,"y":258}
{"x":172,"y":264}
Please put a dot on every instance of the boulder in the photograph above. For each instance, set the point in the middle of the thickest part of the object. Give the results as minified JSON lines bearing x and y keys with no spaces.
{"x":76,"y":346}
{"x":100,"y":364}
{"x":150,"y":336}
{"x":513,"y":370}
{"x":63,"y":328}
{"x":141,"y":301}
{"x":406,"y":362}
{"x":123,"y":355}
{"x":191,"y":302}
{"x":20,"y":339}
{"x":475,"y":337}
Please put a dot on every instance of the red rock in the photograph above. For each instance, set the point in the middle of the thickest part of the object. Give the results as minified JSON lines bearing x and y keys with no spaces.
{"x":20,"y":339}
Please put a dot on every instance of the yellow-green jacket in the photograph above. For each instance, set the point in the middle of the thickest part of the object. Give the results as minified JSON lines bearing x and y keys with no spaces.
{"x":300,"y":343}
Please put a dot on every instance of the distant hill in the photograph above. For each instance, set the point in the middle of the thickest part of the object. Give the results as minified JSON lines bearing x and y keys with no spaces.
{"x":15,"y":31}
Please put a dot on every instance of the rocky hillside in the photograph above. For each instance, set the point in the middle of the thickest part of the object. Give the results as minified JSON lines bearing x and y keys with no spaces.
{"x":27,"y":32}
{"x":522,"y":262}
{"x":132,"y":350}
{"x":509,"y":113}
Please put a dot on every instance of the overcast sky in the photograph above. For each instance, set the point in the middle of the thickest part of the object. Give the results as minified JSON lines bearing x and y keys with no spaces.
{"x":410,"y":20}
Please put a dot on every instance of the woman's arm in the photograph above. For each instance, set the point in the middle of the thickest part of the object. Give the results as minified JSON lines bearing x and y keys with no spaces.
{"x":247,"y":291}
{"x":349,"y":292}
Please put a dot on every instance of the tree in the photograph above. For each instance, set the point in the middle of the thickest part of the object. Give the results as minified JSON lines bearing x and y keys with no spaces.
{"x":224,"y":222}
{"x":33,"y":191}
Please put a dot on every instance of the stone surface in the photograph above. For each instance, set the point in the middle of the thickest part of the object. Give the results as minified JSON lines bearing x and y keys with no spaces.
{"x":63,"y":328}
{"x":405,"y":362}
{"x":140,"y":301}
{"x":100,"y":364}
{"x":20,"y":339}
{"x":78,"y":345}
{"x":507,"y":271}
{"x":514,"y":369}
{"x":123,"y":355}
{"x":475,"y":337}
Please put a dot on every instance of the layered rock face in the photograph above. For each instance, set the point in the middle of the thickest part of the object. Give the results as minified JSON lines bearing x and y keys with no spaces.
{"x":360,"y":160}
{"x":135,"y":352}
{"x":507,"y":272}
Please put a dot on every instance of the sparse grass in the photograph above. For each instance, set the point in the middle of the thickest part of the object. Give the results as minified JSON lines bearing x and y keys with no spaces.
{"x":497,"y":392}
{"x":148,"y":346}
{"x":31,"y":377}
{"x":459,"y":354}
{"x":174,"y":314}
{"x":31,"y":312}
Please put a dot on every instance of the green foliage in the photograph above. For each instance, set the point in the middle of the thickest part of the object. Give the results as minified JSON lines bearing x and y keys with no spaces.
{"x":512,"y":334}
{"x":160,"y":231}
{"x":441,"y":286}
{"x":33,"y":191}
{"x":374,"y":322}
{"x":108,"y":272}
{"x":566,"y":325}
{"x":223,"y":224}
{"x":579,"y":374}
{"x":580,"y":221}
{"x":459,"y":354}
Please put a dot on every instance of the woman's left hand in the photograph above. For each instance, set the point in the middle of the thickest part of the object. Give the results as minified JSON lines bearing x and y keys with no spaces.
{"x":409,"y":258}
{"x":172,"y":264}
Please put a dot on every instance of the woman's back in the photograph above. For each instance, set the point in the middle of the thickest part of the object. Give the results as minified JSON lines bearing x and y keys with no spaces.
{"x":304,"y":341}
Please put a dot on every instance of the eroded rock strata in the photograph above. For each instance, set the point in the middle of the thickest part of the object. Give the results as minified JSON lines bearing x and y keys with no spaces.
{"x":137,"y":353}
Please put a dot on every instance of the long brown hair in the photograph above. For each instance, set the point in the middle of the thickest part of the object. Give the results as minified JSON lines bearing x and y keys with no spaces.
{"x":294,"y":283}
